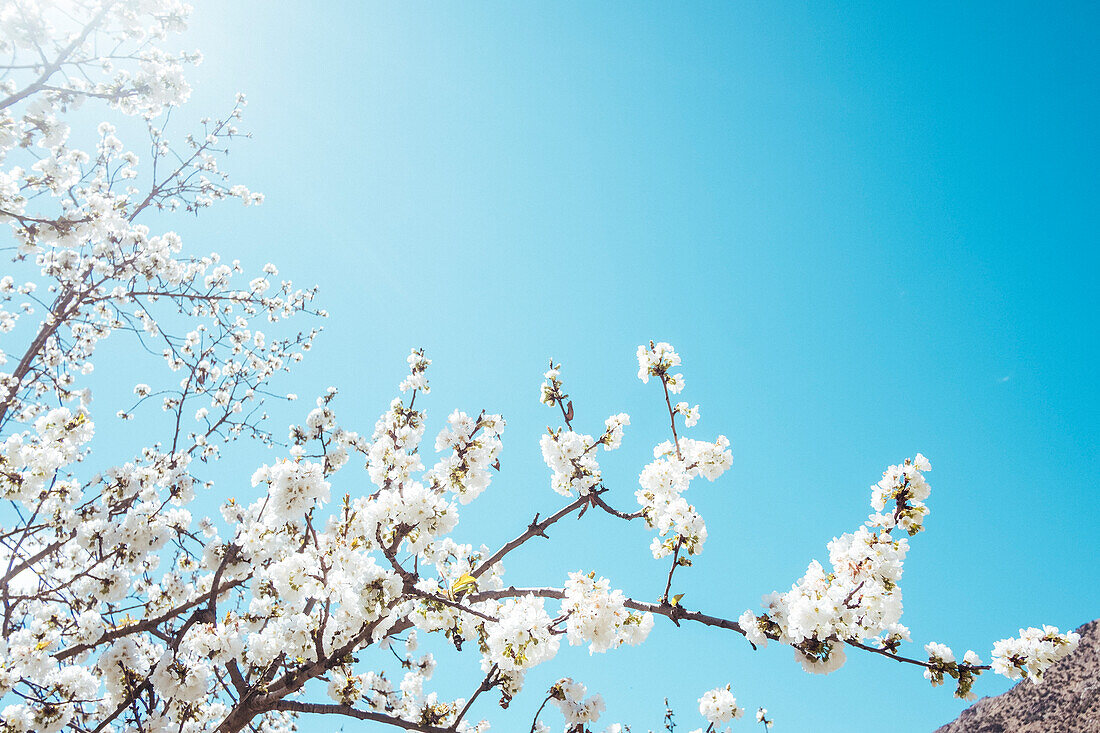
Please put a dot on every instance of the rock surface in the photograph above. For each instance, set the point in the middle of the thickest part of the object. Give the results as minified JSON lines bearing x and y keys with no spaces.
{"x":1068,"y":701}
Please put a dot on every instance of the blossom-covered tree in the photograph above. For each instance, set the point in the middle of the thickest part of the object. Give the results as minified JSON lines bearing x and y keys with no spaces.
{"x":123,"y":612}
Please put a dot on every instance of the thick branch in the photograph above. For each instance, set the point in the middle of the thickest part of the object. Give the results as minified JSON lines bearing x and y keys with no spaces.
{"x":293,"y":706}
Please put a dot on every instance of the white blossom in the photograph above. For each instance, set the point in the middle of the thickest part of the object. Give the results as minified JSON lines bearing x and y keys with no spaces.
{"x":720,"y":706}
{"x":1033,"y":652}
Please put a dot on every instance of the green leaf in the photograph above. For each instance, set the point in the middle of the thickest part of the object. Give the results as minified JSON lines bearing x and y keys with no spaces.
{"x":466,"y":583}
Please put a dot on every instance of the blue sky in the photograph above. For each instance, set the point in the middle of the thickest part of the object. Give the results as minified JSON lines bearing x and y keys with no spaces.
{"x":869,"y":232}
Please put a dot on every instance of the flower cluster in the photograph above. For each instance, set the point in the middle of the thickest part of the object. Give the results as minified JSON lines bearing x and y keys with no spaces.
{"x":521,"y":637}
{"x":30,"y":461}
{"x":720,"y":706}
{"x":655,"y":361}
{"x":690,"y":414}
{"x":598,"y":616}
{"x":663,"y":483}
{"x":294,"y":487}
{"x":417,"y":380}
{"x":613,"y":431}
{"x":465,"y":472}
{"x":572,"y":461}
{"x":1033,"y":652}
{"x":859,"y":597}
{"x":941,"y":663}
{"x":569,"y":697}
{"x":904,"y":485}
{"x":550,"y":393}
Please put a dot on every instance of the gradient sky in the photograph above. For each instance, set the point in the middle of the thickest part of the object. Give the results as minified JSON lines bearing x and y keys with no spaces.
{"x":868,"y":231}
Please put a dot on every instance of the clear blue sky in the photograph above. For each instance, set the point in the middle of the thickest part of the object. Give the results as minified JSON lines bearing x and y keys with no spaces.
{"x":868,"y":231}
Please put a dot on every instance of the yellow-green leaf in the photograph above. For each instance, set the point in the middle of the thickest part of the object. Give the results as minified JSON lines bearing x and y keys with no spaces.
{"x":464,"y":584}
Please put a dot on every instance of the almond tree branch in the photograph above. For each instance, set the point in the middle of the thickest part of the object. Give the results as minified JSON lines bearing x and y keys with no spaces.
{"x":293,"y":706}
{"x":538,"y":528}
{"x":675,"y":613}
